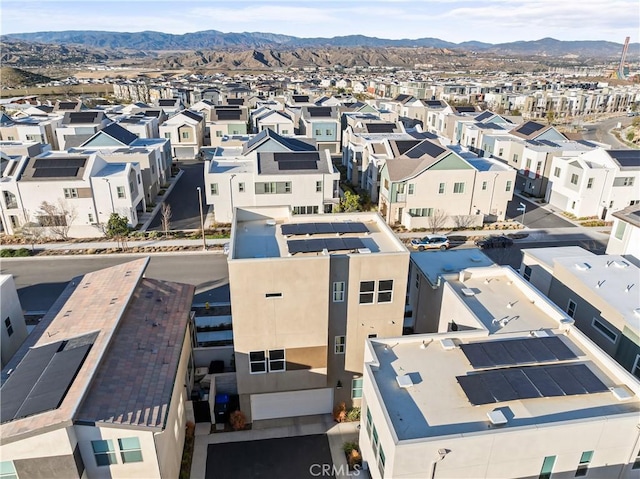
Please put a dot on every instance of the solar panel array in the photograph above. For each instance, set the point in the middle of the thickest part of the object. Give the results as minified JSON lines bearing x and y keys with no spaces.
{"x":529,"y":127}
{"x":60,"y":163}
{"x":235,"y":101}
{"x":43,"y":377}
{"x":380,"y":127}
{"x":297,"y":229}
{"x":508,"y":352}
{"x":465,"y":109}
{"x":432,"y":103}
{"x":425,"y":148}
{"x":228,"y":114}
{"x":319,"y":111}
{"x":549,"y":143}
{"x":319,"y":244}
{"x":626,"y":158}
{"x":290,"y":161}
{"x":405,"y":145}
{"x":83,"y":116}
{"x":484,"y":115}
{"x":67,"y":105}
{"x":300,"y":98}
{"x":530,"y":382}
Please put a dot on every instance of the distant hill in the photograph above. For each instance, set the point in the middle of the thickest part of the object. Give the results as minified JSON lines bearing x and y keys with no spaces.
{"x":212,"y":39}
{"x":15,"y":77}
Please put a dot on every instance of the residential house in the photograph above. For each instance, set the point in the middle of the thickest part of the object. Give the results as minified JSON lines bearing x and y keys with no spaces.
{"x":323,"y":125}
{"x":141,"y":125}
{"x":13,"y":330}
{"x":23,"y":148}
{"x":39,"y":129}
{"x":185,"y":130}
{"x":345,"y":274}
{"x":65,"y":387}
{"x":277,"y":121}
{"x":78,"y":126}
{"x":596,"y":291}
{"x":170,"y":106}
{"x":625,"y":232}
{"x":271,"y":170}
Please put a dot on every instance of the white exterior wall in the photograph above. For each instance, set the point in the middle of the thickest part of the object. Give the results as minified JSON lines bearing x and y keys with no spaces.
{"x":148,"y":468}
{"x":493,"y":200}
{"x":629,"y":244}
{"x":11,"y":309}
{"x":59,"y":442}
{"x":588,"y":202}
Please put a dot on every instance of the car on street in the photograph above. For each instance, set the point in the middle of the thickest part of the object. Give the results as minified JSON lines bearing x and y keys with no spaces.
{"x":494,"y":242}
{"x":430,"y":242}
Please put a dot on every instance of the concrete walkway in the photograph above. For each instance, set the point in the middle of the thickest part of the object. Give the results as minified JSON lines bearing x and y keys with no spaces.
{"x":337,"y":435}
{"x":132,"y":243}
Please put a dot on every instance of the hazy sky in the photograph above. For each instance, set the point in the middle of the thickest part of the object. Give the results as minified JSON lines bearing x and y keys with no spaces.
{"x":492,"y":21}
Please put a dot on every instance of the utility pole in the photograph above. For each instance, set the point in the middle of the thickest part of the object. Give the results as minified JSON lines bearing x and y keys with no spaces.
{"x":204,"y":241}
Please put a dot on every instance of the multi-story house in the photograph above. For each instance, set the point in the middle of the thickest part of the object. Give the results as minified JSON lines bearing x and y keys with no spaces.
{"x":596,"y":291}
{"x":64,"y":388}
{"x":323,"y":284}
{"x":271,"y":170}
{"x":141,"y":125}
{"x":80,"y":190}
{"x":185,"y":130}
{"x":77,"y":127}
{"x":596,"y":183}
{"x":13,"y":330}
{"x":222,"y":120}
{"x":277,"y":121}
{"x":39,"y":129}
{"x":625,"y":232}
{"x":431,"y":186}
{"x":323,"y":125}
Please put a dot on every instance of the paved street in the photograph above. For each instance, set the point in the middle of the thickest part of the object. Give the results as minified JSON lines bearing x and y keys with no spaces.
{"x":40,"y":281}
{"x":601,"y":131}
{"x":535,"y":216}
{"x":184,"y":198}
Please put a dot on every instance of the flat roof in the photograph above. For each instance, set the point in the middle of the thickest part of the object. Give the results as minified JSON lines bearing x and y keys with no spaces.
{"x":433,"y":264}
{"x":257,"y":232}
{"x":546,"y":255}
{"x":436,"y":405}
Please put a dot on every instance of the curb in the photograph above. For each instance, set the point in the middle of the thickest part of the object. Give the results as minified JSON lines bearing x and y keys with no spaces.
{"x":156,"y":209}
{"x":114,"y":255}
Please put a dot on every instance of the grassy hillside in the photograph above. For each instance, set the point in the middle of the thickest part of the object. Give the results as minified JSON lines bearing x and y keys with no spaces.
{"x":11,"y":77}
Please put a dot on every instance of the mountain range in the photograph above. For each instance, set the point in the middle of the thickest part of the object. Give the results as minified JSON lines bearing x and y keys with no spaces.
{"x":213,"y":39}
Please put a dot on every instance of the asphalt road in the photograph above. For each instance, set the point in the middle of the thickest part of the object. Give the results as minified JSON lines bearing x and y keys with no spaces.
{"x":602,"y":131}
{"x":183,"y":199}
{"x":40,"y":281}
{"x":535,"y":217}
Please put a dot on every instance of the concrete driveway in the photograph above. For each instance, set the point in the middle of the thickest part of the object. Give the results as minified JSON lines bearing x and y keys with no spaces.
{"x":535,"y":216}
{"x":185,"y":212}
{"x":284,"y":458}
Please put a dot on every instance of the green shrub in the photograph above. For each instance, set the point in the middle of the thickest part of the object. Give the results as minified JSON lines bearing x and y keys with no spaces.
{"x":350,"y":446}
{"x":22,"y":252}
{"x":6,"y":253}
{"x":353,"y":414}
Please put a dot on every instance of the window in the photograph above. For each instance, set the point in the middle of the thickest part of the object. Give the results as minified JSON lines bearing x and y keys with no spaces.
{"x":218,"y":134}
{"x":120,"y":190}
{"x":573,"y":205}
{"x":90,"y":217}
{"x":338,"y":291}
{"x":10,"y":200}
{"x":385,"y":291}
{"x":327,"y":132}
{"x":70,"y":193}
{"x":369,"y":423}
{"x":635,"y":370}
{"x":556,"y":172}
{"x":571,"y":308}
{"x":284,"y":132}
{"x":441,"y":188}
{"x":620,"y":229}
{"x":590,"y":183}
{"x":515,"y":157}
{"x":287,"y":187}
{"x":273,"y":187}
{"x":130,"y":449}
{"x":375,"y":441}
{"x":356,"y":388}
{"x":213,"y":188}
{"x":583,"y":465}
{"x":276,"y":360}
{"x":547,"y":467}
{"x":386,"y":184}
{"x":241,"y":187}
{"x":366,"y":291}
{"x":509,"y":184}
{"x":458,"y":187}
{"x":372,"y":335}
{"x":8,"y":470}
{"x":636,"y":463}
{"x":306,"y":210}
{"x":623,"y":181}
{"x":381,"y":460}
{"x":318,"y":186}
{"x":574,"y":179}
{"x":7,"y":324}
{"x":500,"y":152}
{"x":484,"y":186}
{"x":257,"y":362}
{"x":412,"y":188}
{"x":185,"y":135}
{"x":339,"y":344}
{"x":273,"y":295}
{"x":167,"y":136}
{"x":421,"y":211}
{"x":605,"y":330}
{"x":528,"y":164}
{"x":318,"y":132}
{"x":104,"y":452}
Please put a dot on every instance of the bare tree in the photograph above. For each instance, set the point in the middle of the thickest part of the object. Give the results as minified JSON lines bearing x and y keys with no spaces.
{"x":31,"y":231}
{"x":165,"y":214}
{"x":437,"y":220}
{"x":57,"y":218}
{"x":463,"y":221}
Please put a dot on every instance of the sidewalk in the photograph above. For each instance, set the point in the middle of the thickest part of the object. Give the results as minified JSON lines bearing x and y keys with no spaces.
{"x":150,"y":243}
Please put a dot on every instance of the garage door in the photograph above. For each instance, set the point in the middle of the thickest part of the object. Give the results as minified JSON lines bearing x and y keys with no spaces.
{"x":184,"y":152}
{"x":290,"y":404}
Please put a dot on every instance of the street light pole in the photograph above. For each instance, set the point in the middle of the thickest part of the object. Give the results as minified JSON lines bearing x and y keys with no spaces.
{"x":522,"y":208}
{"x":113,"y":209}
{"x":204,"y":241}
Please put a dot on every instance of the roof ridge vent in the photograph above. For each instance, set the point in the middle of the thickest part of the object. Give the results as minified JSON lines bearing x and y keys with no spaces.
{"x":583,"y":266}
{"x":404,"y":381}
{"x":620,"y":264}
{"x":497,"y":417}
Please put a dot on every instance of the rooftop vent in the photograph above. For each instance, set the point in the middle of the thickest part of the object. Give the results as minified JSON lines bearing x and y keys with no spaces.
{"x":448,"y":268}
{"x":497,"y":417}
{"x":404,"y":381}
{"x":541,"y":333}
{"x":271,"y":222}
{"x":476,"y":259}
{"x":620,"y":264}
{"x":468,"y":292}
{"x":364,"y":250}
{"x":621,"y":393}
{"x":583,"y":266}
{"x":636,"y":311}
{"x":447,"y":344}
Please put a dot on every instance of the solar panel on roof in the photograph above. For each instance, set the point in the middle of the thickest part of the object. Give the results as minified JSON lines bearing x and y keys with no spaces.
{"x":228,"y":114}
{"x":484,"y":115}
{"x":425,"y":148}
{"x":292,"y":165}
{"x":293,"y":229}
{"x":530,"y":382}
{"x":626,"y":158}
{"x":290,"y":229}
{"x":297,"y":246}
{"x":324,"y":228}
{"x":529,"y":127}
{"x":319,"y":111}
{"x":59,"y":162}
{"x":488,"y":354}
{"x":549,"y":143}
{"x":353,"y":243}
{"x":380,"y":127}
{"x":316,"y":245}
{"x":83,"y":116}
{"x":405,"y":145}
{"x":235,"y":101}
{"x":55,"y":172}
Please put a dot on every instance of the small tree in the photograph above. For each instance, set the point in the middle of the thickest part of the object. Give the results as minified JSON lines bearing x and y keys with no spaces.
{"x":550,"y":116}
{"x":165,"y":214}
{"x":58,"y":218}
{"x":237,"y":420}
{"x":32,"y":232}
{"x":437,"y":220}
{"x":118,"y":228}
{"x":349,"y":202}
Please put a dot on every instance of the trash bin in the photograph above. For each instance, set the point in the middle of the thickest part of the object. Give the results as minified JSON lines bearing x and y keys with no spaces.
{"x":221,"y":408}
